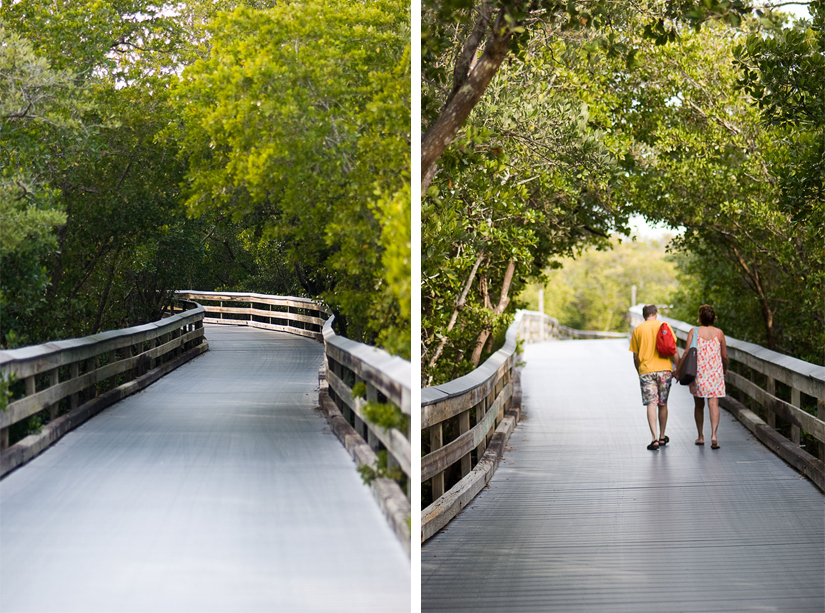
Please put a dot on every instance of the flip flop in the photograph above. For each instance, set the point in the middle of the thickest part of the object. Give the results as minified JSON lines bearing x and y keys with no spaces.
{"x":714,"y":445}
{"x":696,"y":442}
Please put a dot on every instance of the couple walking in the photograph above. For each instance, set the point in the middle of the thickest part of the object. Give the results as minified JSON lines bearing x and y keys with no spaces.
{"x":656,"y":372}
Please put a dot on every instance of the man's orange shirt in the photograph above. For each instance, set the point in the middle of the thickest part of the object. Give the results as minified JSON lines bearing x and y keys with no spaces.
{"x":643,"y":342}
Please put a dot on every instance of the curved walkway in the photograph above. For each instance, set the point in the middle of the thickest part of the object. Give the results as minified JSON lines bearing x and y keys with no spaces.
{"x":218,"y":488}
{"x":581,"y":517}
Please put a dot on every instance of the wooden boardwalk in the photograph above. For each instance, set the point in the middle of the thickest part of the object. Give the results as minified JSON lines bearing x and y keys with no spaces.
{"x":218,"y":488}
{"x":581,"y":517}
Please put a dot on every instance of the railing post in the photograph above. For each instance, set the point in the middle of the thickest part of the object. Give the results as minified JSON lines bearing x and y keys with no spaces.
{"x":372,"y":396}
{"x":436,"y":442}
{"x":74,"y":372}
{"x":152,"y":345}
{"x":91,"y":391}
{"x":464,"y":426}
{"x":54,"y":379}
{"x":128,"y":352}
{"x":820,"y":413}
{"x":795,"y":400}
{"x":482,"y":446}
{"x":771,"y":389}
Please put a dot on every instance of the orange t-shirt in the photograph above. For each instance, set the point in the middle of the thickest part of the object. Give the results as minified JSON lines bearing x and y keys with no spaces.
{"x":643,"y":342}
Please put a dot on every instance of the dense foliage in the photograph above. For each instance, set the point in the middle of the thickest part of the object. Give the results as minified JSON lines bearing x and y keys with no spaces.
{"x":112,"y":191}
{"x":704,"y":152}
{"x":302,"y":125}
{"x":709,"y":129}
{"x":594,"y":291}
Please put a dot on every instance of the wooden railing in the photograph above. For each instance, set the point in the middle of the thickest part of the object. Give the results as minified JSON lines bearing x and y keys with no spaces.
{"x":759,"y":377}
{"x":383,"y":379}
{"x":64,"y":383}
{"x":537,"y":327}
{"x":281,"y":313}
{"x":466,"y":422}
{"x":361,"y":378}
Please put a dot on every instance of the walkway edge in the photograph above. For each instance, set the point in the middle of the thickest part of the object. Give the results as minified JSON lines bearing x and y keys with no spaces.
{"x":35,"y":444}
{"x":440,"y":512}
{"x":801,"y":460}
{"x":391,"y":500}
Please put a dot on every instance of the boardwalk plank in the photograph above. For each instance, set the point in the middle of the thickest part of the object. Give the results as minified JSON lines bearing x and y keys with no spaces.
{"x":218,"y":488}
{"x":581,"y":517}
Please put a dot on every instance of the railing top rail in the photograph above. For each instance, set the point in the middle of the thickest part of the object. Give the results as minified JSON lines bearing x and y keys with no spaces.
{"x":251,"y":296}
{"x":38,"y":352}
{"x":812,"y":374}
{"x":387,"y":372}
{"x":573,"y":331}
{"x":478,"y":377}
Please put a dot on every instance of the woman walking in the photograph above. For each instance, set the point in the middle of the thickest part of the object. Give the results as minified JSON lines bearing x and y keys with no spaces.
{"x":712,"y":366}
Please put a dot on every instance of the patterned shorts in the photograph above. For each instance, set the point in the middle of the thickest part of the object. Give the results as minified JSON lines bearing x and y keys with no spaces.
{"x":655,"y":387}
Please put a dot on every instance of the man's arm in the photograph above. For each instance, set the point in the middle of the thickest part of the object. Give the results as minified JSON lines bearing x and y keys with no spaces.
{"x":636,"y":362}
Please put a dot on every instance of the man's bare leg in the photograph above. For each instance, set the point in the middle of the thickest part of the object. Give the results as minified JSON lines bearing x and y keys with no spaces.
{"x":662,"y":421}
{"x":699,"y":416}
{"x":651,"y":421}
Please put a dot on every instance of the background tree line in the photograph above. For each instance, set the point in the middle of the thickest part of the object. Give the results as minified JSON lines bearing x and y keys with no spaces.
{"x":231,"y":145}
{"x":705,"y":116}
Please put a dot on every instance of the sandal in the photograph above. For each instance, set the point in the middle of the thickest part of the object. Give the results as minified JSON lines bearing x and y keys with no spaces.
{"x":714,"y":445}
{"x":664,"y":441}
{"x":654,"y":446}
{"x":698,"y":442}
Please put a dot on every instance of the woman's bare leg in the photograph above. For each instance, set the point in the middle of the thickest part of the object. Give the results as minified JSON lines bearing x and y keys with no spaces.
{"x":699,"y":416}
{"x":713,"y":409}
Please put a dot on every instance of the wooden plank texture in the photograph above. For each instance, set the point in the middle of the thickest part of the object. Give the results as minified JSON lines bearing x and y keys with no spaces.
{"x":580,"y":517}
{"x":218,"y":488}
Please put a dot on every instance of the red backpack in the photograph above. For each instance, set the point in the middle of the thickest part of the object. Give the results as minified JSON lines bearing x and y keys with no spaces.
{"x":665,"y":341}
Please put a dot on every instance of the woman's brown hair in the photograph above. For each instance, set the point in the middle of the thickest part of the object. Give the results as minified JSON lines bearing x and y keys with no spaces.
{"x":707,"y":316}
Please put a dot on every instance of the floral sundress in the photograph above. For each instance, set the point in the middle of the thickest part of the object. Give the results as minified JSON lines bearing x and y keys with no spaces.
{"x":710,"y":377}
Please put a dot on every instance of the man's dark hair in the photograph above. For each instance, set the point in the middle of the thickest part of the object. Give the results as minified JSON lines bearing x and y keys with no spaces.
{"x":707,"y":316}
{"x":650,"y":309}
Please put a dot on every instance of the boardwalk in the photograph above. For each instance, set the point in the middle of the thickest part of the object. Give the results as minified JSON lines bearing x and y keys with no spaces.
{"x":581,"y":517}
{"x":218,"y":488}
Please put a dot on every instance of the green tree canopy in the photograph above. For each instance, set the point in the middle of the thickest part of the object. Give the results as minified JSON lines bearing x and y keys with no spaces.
{"x":298,"y":120}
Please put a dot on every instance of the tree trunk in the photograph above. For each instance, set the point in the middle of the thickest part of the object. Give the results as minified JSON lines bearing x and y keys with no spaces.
{"x":503,"y":301}
{"x":468,"y":88}
{"x":752,"y":274}
{"x":459,"y":305}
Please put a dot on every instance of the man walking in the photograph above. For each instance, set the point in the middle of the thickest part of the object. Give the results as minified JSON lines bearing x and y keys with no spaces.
{"x":655,"y":374}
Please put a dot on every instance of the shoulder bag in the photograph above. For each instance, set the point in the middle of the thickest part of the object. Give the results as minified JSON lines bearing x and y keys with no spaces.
{"x":687,"y":374}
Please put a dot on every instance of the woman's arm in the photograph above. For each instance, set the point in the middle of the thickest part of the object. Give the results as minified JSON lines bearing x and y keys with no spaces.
{"x":723,"y":350}
{"x":684,"y":353}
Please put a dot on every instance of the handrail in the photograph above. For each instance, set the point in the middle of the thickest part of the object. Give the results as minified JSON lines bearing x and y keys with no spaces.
{"x":387,"y":380}
{"x":538,"y":327}
{"x":76,"y":378}
{"x":800,"y":376}
{"x":358,"y":378}
{"x":292,"y":314}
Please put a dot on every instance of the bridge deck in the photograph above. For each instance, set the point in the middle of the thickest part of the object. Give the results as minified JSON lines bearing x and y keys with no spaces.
{"x":218,"y":488}
{"x":581,"y":517}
